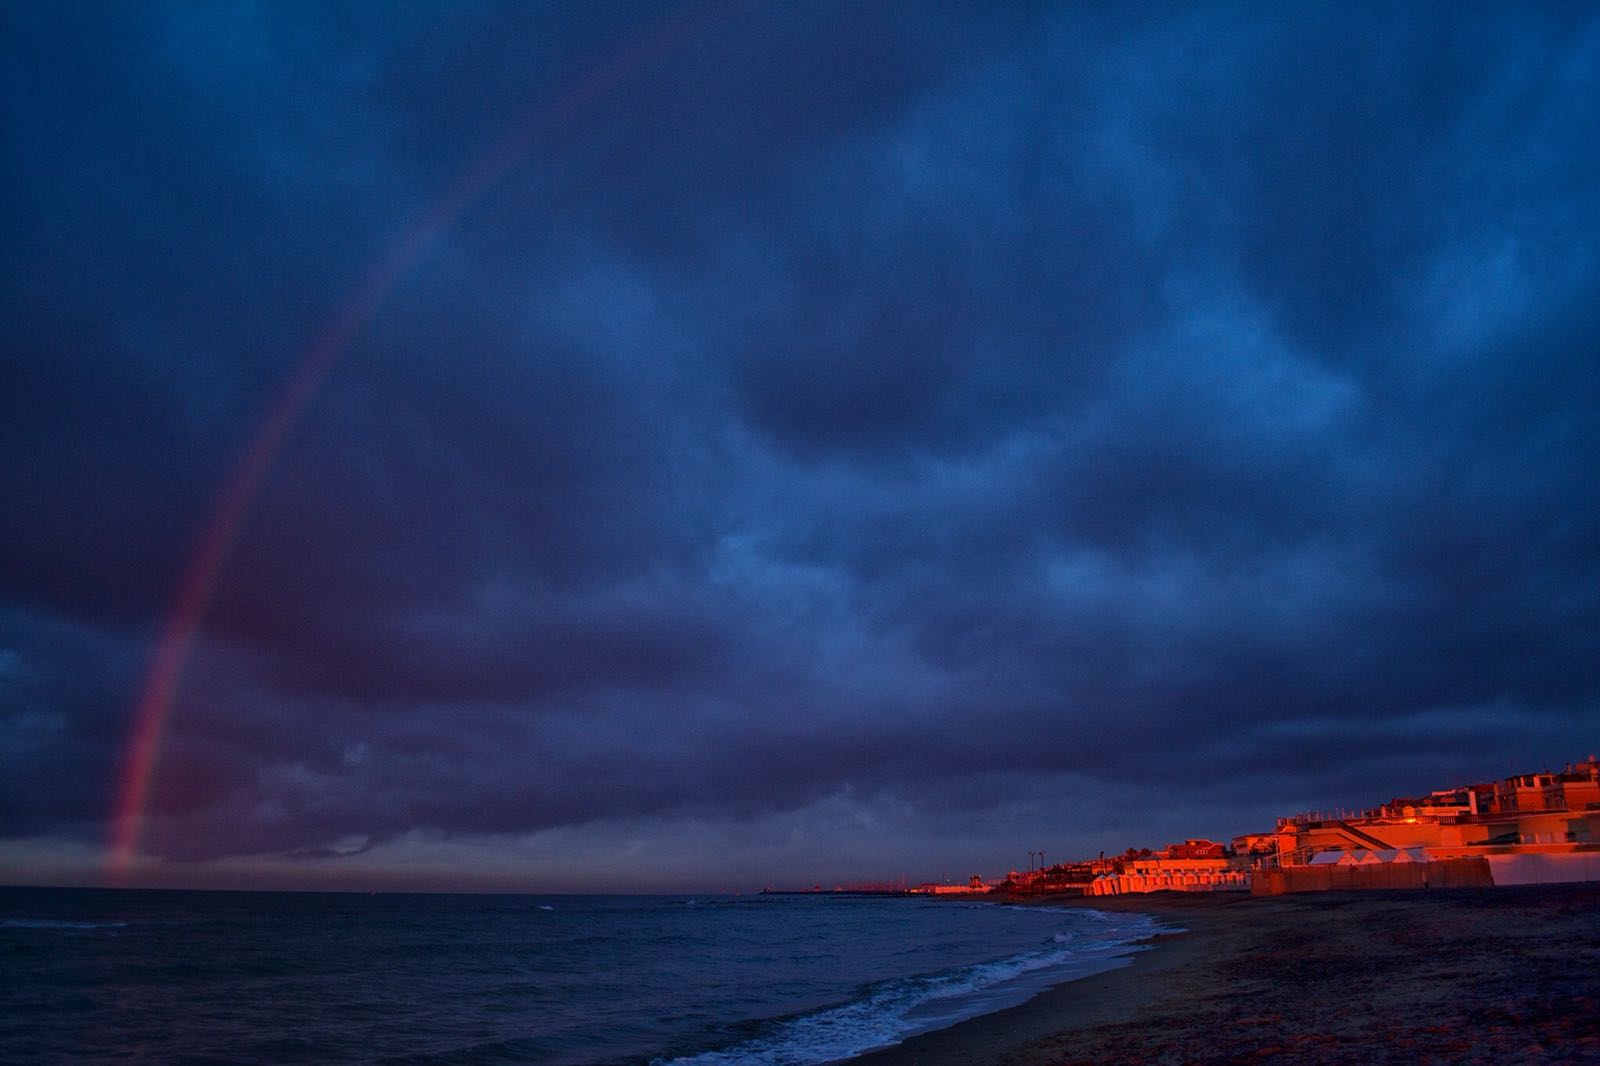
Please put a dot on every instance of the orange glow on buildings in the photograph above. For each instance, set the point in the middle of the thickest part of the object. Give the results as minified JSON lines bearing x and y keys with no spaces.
{"x":1528,"y":828}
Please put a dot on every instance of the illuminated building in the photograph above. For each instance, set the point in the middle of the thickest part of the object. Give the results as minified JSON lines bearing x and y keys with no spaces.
{"x":1528,"y":828}
{"x":1193,"y":866}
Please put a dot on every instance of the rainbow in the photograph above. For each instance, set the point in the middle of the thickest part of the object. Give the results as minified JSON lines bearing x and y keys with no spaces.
{"x":153,"y":710}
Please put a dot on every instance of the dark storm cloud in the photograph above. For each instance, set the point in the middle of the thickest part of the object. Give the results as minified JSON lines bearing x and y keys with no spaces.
{"x":63,"y":689}
{"x":838,"y":409}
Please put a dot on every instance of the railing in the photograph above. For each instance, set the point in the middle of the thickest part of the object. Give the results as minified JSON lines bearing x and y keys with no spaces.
{"x":1275,"y":859}
{"x":1336,"y":815}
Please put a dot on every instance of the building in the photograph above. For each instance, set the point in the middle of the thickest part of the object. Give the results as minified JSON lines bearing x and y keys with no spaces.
{"x":1527,"y":809}
{"x":1255,"y":844}
{"x":1526,"y":828}
{"x":975,"y":886}
{"x":1193,"y":849}
{"x":1193,"y":866}
{"x":1577,"y":788}
{"x":1064,"y":878}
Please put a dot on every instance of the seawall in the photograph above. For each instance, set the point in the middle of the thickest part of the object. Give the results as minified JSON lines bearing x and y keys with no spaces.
{"x":1445,"y":873}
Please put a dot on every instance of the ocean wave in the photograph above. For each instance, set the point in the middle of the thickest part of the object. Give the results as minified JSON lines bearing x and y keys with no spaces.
{"x":889,"y":1012}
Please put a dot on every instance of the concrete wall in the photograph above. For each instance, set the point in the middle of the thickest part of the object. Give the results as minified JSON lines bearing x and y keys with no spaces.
{"x":1545,"y":869}
{"x":1448,"y":873}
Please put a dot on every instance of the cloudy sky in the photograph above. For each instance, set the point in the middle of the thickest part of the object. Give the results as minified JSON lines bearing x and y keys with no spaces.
{"x":784,"y":443}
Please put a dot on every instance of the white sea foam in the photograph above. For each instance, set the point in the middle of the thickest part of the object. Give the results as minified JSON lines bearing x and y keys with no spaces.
{"x":891,"y":1011}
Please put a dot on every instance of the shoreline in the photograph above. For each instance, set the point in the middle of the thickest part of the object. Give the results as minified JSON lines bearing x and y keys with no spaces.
{"x":1447,"y":975}
{"x":1114,"y":994}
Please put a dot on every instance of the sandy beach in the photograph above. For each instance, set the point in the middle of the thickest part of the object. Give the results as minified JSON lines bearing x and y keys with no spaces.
{"x":1473,"y":975}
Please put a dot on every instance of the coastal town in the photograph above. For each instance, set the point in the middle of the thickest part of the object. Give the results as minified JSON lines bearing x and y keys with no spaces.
{"x":1532,"y":828}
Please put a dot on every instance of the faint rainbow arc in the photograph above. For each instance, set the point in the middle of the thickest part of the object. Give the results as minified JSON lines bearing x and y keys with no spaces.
{"x":177,"y":636}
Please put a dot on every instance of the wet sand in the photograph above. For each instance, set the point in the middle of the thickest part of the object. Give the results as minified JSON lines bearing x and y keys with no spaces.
{"x":1467,"y":975}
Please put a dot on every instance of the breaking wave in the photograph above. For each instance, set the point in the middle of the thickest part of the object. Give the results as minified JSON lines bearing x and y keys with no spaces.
{"x":889,"y":1012}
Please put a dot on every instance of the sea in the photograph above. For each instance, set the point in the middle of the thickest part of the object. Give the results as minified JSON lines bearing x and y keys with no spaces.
{"x":246,"y":977}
